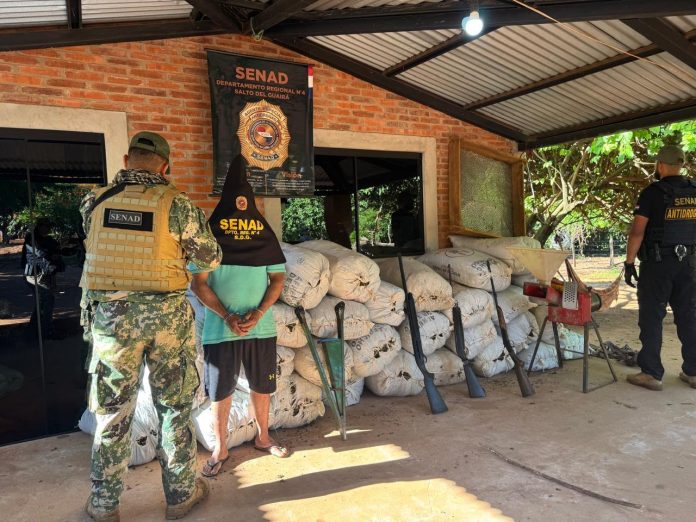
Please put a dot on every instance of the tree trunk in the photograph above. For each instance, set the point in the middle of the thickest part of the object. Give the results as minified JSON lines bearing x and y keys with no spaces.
{"x":611,"y":250}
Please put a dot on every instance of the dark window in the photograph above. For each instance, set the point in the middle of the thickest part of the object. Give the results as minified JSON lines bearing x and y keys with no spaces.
{"x":386,"y":189}
{"x":43,"y":177}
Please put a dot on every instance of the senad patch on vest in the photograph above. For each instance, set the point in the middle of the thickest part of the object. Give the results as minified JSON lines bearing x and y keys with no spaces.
{"x":128,"y":219}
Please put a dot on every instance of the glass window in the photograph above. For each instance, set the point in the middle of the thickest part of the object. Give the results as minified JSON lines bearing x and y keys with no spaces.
{"x":368,"y":201}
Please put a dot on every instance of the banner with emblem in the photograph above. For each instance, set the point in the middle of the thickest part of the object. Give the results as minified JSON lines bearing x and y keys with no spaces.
{"x":262,"y":111}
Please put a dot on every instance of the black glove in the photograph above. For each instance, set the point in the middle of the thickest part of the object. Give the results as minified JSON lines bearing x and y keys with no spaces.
{"x":630,"y":273}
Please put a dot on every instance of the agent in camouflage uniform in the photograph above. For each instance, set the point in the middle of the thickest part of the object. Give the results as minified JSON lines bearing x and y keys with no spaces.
{"x":152,"y":325}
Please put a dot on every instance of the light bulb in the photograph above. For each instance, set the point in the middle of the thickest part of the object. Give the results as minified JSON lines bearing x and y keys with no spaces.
{"x":472,"y":24}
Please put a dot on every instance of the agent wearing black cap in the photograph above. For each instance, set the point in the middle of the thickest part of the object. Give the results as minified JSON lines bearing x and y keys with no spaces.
{"x":663,"y":236}
{"x":239,"y":328}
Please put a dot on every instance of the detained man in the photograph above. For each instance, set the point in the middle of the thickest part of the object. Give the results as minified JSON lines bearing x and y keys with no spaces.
{"x":239,"y":328}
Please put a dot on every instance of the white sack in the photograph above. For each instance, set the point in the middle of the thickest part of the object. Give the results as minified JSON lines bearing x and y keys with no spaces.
{"x":521,"y":279}
{"x":430,"y":291}
{"x":476,"y":339}
{"x":307,"y":368}
{"x":546,"y":357}
{"x":241,"y":425}
{"x":285,"y":359}
{"x":144,"y":428}
{"x":295,"y":404}
{"x":476,"y":305}
{"x":306,"y":276}
{"x":540,"y":313}
{"x":572,"y":343}
{"x":521,"y":330}
{"x":401,"y":377}
{"x":353,"y":276}
{"x":513,"y":303}
{"x":498,"y":247}
{"x":469,"y":267}
{"x":493,"y":360}
{"x":354,"y":390}
{"x":289,"y":332}
{"x":374,"y":351}
{"x":356,"y":321}
{"x":446,"y":367}
{"x":387,"y":305}
{"x":434,"y":330}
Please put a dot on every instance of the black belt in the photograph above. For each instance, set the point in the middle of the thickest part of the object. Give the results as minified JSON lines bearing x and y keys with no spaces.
{"x":679,"y":251}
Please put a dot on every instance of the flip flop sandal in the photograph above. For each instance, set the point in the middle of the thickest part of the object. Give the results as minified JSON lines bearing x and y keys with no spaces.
{"x":275,"y":449}
{"x":211,"y":469}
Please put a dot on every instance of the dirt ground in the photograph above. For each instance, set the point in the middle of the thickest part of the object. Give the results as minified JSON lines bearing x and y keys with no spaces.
{"x":400,"y":463}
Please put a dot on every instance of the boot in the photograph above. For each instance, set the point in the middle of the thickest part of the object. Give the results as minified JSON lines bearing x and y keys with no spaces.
{"x":101,"y":515}
{"x":690,"y":380}
{"x":645,"y":380}
{"x":177,"y":511}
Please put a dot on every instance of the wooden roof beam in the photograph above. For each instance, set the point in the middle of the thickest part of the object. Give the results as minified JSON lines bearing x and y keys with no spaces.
{"x":574,"y":74}
{"x":684,"y":110}
{"x":216,"y":13}
{"x":435,"y":19}
{"x":74,"y":9}
{"x":444,"y":47}
{"x":666,"y":37}
{"x":275,"y":13}
{"x":105,"y":33}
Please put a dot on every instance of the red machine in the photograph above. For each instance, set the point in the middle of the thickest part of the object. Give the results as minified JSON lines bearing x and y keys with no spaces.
{"x":569,"y":302}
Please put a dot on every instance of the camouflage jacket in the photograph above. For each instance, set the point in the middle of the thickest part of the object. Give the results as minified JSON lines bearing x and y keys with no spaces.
{"x":187,"y":224}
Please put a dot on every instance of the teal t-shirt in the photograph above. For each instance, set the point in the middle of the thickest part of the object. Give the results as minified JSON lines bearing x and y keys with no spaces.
{"x":240,"y":289}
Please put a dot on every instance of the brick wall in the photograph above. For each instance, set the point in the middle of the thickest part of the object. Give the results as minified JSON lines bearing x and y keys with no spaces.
{"x":163,"y":87}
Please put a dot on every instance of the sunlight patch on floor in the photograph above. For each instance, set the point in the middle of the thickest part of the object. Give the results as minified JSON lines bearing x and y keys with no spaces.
{"x":432,"y":500}
{"x":320,"y":460}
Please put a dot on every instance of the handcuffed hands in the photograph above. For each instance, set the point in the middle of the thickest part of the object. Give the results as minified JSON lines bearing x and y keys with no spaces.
{"x":249,"y":321}
{"x":233,"y":321}
{"x":630,"y":273}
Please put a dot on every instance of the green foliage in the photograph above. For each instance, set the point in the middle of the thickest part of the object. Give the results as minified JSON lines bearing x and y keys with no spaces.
{"x":378,"y":203}
{"x":595,"y":182}
{"x":58,"y":202}
{"x":303,"y":219}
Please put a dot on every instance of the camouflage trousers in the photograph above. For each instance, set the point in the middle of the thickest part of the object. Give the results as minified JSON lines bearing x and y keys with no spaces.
{"x":125,"y":334}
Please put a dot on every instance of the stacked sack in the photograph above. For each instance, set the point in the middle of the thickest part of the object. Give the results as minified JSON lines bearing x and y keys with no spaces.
{"x":433,"y":298}
{"x":471,"y":286}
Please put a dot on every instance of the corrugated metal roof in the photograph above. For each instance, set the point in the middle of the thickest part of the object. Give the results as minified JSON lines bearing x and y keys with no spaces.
{"x":33,"y":12}
{"x":325,"y":5}
{"x":512,"y":57}
{"x":122,"y":10}
{"x":683,"y":23}
{"x":382,"y":50}
{"x":635,"y":86}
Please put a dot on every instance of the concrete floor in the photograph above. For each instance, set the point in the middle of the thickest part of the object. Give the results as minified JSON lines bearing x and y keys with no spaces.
{"x":402,"y":463}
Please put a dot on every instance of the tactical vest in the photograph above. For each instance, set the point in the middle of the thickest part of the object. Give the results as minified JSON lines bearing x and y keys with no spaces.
{"x":680,"y":217}
{"x":129,"y":246}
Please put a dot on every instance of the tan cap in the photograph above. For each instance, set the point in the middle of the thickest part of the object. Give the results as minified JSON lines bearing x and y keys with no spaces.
{"x":152,"y":142}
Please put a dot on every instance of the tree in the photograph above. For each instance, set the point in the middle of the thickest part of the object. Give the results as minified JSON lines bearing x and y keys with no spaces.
{"x":303,"y":219}
{"x":596,"y":181}
{"x":58,"y":202}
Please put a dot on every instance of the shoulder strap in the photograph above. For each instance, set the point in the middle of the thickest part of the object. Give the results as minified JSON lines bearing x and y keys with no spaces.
{"x":110,"y":192}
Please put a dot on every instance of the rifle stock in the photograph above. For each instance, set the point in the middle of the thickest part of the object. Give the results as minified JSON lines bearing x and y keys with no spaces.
{"x":476,"y":391}
{"x":522,"y":378}
{"x":437,"y":403}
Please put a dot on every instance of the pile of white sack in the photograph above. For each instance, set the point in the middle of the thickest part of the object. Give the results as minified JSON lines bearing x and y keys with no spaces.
{"x":379,"y":348}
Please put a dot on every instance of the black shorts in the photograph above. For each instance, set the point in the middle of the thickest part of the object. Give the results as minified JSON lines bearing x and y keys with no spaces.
{"x":223,"y":362}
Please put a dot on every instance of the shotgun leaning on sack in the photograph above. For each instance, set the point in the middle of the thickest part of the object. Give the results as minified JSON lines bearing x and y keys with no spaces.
{"x":476,"y":391}
{"x":522,"y":379}
{"x":437,"y":404}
